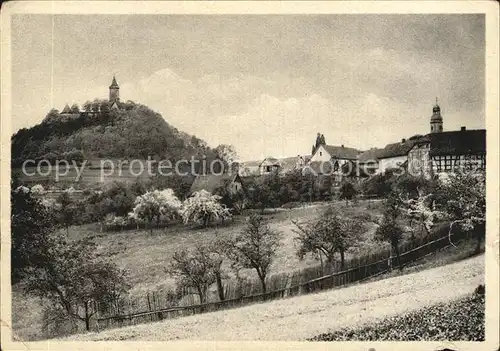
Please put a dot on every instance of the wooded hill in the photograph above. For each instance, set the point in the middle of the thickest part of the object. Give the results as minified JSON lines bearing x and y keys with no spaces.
{"x":133,"y":131}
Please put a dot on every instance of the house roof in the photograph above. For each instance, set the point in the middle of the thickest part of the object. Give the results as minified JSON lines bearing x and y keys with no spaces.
{"x":212,"y":182}
{"x":370,"y":155}
{"x":342,"y":152}
{"x":114,"y":84}
{"x":288,"y":163}
{"x":397,"y":149}
{"x":249,"y":164}
{"x":461,"y":142}
{"x":270,"y":161}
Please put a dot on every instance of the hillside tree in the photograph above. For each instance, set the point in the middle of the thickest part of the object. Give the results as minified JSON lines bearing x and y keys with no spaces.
{"x":227,"y":153}
{"x":462,"y":200}
{"x":255,"y":247}
{"x":75,"y":280}
{"x":347,"y":192}
{"x":205,"y":207}
{"x":390,"y":231}
{"x":156,"y":204}
{"x":74,"y":108}
{"x":31,"y":226}
{"x":328,"y":234}
{"x":198,"y":269}
{"x":66,"y":210}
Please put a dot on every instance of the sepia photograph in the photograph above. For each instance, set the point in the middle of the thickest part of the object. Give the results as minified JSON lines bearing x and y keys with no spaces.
{"x":193,"y":172}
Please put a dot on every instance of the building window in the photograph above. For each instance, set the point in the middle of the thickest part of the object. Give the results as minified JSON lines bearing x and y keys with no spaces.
{"x":321,"y":153}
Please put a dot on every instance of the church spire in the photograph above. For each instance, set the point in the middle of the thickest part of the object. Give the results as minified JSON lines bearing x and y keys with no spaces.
{"x":436,"y":119}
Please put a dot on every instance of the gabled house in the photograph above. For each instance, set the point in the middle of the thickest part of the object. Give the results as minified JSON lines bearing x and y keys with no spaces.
{"x":249,"y":168}
{"x":282,"y":165}
{"x":269,"y":165}
{"x":395,"y":155}
{"x":217,"y":183}
{"x":368,"y":162}
{"x":446,"y":151}
{"x":330,"y":152}
{"x":333,"y":160}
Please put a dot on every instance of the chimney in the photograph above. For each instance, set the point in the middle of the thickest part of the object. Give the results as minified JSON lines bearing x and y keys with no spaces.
{"x":462,"y":129}
{"x":403,"y":141}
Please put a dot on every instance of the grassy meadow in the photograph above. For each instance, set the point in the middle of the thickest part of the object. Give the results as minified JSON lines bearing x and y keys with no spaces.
{"x":145,"y":255}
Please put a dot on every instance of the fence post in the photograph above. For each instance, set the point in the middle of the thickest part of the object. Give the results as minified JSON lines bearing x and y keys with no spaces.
{"x":96,"y":308}
{"x":149,"y":306}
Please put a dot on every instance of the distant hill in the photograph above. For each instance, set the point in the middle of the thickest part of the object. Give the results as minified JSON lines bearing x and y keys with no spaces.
{"x":133,"y":131}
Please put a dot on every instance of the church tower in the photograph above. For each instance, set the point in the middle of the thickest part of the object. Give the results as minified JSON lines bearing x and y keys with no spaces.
{"x":114,"y":91}
{"x":436,"y":119}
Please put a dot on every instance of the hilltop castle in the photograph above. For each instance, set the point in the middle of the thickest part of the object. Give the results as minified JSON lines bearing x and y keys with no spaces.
{"x":114,"y":101}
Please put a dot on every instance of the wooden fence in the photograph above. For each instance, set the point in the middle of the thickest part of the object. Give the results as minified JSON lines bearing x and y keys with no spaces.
{"x":282,"y":285}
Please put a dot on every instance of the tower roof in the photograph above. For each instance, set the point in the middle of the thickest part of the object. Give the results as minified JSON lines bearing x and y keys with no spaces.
{"x":66,"y":109}
{"x":436,"y":112}
{"x":114,"y":84}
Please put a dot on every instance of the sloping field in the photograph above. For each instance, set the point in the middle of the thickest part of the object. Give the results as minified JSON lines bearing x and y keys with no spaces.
{"x":306,"y":316}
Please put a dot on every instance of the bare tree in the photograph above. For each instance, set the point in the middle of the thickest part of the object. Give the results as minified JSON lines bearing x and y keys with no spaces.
{"x":197,"y":269}
{"x":255,"y":247}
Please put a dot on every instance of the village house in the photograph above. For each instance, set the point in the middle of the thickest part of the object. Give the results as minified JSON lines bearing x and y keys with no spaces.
{"x":249,"y":168}
{"x":368,"y":162}
{"x":282,"y":165}
{"x":445,"y":151}
{"x":337,"y":161}
{"x":217,"y":183}
{"x":395,"y":155}
{"x":438,"y":151}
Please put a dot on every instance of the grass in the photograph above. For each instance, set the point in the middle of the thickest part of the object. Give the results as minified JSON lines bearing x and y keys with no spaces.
{"x":306,"y":316}
{"x":145,"y":256}
{"x":459,"y":320}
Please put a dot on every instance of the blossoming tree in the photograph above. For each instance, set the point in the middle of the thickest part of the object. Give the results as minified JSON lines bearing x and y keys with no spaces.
{"x":203,"y":206}
{"x":155,"y":205}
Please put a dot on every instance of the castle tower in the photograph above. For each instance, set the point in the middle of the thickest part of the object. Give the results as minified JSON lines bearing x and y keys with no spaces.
{"x":436,"y":119}
{"x":114,"y":91}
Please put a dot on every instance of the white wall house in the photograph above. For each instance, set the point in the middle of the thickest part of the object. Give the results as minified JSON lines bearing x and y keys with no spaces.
{"x":391,"y":162}
{"x":329,"y":160}
{"x":394,"y":155}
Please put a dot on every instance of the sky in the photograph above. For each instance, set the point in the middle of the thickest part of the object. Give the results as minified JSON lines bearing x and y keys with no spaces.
{"x":264,"y":83}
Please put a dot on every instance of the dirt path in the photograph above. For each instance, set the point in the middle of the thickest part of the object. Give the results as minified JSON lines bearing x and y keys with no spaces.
{"x":309,"y":315}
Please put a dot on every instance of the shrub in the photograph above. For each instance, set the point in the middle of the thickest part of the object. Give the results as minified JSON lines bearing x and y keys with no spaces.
{"x":37,"y":189}
{"x":460,"y":320}
{"x":112,"y":222}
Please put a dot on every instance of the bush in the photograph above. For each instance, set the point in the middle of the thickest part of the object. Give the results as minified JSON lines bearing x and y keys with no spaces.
{"x":460,"y":320}
{"x":117,"y":223}
{"x":37,"y":189}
